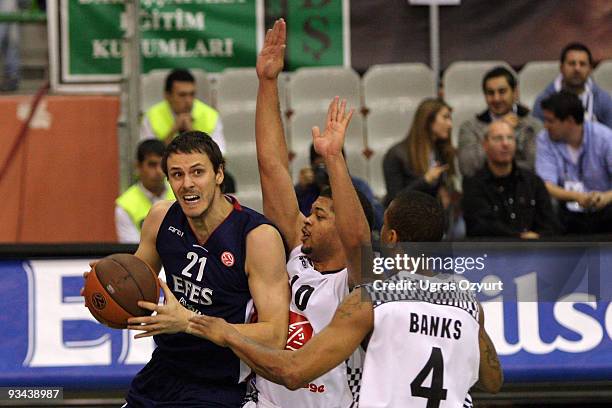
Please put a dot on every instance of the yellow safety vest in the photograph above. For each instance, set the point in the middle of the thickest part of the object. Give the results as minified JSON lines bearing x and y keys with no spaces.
{"x":137,"y":204}
{"x":161,"y":118}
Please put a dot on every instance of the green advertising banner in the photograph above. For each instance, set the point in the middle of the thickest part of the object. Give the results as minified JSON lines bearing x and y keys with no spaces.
{"x":207,"y":34}
{"x":86,"y":37}
{"x":318,"y":33}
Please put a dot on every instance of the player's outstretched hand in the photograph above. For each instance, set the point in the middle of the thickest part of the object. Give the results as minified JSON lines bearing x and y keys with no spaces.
{"x":211,"y":328}
{"x":271,"y":57}
{"x":91,"y":265}
{"x":330,"y":142}
{"x":171,"y":317}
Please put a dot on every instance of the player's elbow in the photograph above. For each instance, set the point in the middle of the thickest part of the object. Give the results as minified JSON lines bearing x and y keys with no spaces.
{"x":293,"y":380}
{"x":492,"y":383}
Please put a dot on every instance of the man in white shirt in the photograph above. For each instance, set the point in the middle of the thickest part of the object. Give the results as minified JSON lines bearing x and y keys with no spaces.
{"x":134,"y":204}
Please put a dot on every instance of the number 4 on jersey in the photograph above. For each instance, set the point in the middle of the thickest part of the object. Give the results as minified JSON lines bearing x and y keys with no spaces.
{"x":435,"y":393}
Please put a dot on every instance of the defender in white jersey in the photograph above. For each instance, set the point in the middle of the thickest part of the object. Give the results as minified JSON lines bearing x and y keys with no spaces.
{"x":424,"y":350}
{"x":317,"y":263}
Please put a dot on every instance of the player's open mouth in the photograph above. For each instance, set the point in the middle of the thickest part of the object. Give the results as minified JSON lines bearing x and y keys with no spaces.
{"x":305,"y":234}
{"x":191,"y":198}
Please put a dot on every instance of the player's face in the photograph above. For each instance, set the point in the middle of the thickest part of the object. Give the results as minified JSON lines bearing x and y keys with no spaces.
{"x":181,"y":96}
{"x":151,"y":174}
{"x":500,"y":143}
{"x":499,"y":95}
{"x":319,"y":235}
{"x":194,"y":182}
{"x":576,"y":68}
{"x":442,"y":124}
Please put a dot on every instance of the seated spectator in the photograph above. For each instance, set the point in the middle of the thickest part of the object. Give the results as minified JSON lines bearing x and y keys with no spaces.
{"x":574,"y":158}
{"x":576,"y":67}
{"x":314,"y":178}
{"x":134,"y":204}
{"x":180,"y":111}
{"x":500,"y":91}
{"x":502,"y":198}
{"x":424,"y":160}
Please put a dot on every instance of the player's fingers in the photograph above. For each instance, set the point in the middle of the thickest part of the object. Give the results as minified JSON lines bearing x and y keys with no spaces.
{"x":148,"y":305}
{"x":282,"y":31}
{"x":341,"y":110}
{"x":268,"y":35}
{"x":167,"y":292}
{"x":316,"y":133}
{"x":348,"y":117}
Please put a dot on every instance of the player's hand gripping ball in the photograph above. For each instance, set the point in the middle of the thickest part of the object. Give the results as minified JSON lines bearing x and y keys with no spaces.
{"x":115,"y":285}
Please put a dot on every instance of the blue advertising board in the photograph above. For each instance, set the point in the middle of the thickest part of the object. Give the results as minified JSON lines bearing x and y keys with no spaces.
{"x":550,"y":321}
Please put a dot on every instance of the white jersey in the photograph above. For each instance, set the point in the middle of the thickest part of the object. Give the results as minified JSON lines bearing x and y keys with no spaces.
{"x":315,"y":296}
{"x":424,"y":349}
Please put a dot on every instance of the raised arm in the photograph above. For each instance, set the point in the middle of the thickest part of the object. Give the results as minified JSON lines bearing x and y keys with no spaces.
{"x":351,"y":221}
{"x":353,"y":320}
{"x":279,"y":200}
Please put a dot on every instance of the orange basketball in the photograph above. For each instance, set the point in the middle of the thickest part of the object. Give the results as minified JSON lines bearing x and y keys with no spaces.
{"x":114,"y":287}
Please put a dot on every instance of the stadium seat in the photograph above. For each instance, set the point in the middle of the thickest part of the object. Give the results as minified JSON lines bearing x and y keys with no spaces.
{"x":603,"y":75}
{"x":237,"y":90}
{"x":534,"y":77}
{"x":152,"y":87}
{"x":313,"y":88}
{"x":463,"y":83}
{"x":404,"y":85}
{"x":241,"y":156}
{"x":301,"y":138}
{"x":385,"y":126}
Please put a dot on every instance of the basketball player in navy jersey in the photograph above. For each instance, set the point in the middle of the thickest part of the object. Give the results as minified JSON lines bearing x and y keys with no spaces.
{"x":410,"y":335}
{"x":220,"y":259}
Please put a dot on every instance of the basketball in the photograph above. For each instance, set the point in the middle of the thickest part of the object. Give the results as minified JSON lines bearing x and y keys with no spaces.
{"x":114,"y":287}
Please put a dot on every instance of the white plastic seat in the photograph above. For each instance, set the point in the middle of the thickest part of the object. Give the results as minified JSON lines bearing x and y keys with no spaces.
{"x":385,"y":127}
{"x":153,"y":83}
{"x":603,"y":75}
{"x":404,"y":85}
{"x":534,"y":77}
{"x":463,"y":82}
{"x":301,"y":138}
{"x":237,"y":90}
{"x":313,"y":88}
{"x":241,"y":155}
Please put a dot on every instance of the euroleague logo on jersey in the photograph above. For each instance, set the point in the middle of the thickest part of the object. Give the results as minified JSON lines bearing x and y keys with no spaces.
{"x":227,"y":258}
{"x":300,"y":331}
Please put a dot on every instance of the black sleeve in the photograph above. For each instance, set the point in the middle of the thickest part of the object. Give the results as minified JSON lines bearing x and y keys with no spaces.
{"x":546,"y":222}
{"x":480,"y":220}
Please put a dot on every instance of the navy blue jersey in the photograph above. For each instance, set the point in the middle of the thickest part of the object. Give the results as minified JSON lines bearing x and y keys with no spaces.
{"x":208,"y":278}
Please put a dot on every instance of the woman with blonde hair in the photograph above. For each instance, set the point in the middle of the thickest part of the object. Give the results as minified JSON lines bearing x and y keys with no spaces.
{"x":425,"y":159}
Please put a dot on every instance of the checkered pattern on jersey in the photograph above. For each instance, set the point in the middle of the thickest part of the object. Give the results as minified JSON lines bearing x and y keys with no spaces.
{"x":463,"y":299}
{"x":353,"y":376}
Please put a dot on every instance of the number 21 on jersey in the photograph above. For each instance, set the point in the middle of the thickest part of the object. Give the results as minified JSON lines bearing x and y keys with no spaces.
{"x":193,"y":259}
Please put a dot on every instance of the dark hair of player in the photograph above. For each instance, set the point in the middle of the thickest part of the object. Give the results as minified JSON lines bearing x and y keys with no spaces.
{"x":416,"y":217}
{"x":194,"y":142}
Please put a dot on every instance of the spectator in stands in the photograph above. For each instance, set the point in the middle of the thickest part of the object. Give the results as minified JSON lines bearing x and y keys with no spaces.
{"x":500,"y":90}
{"x":574,"y":158}
{"x":9,"y":48}
{"x":180,"y":111}
{"x":575,"y":77}
{"x":503,"y":199}
{"x":133,"y":206}
{"x":424,"y":160}
{"x":312,"y":180}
